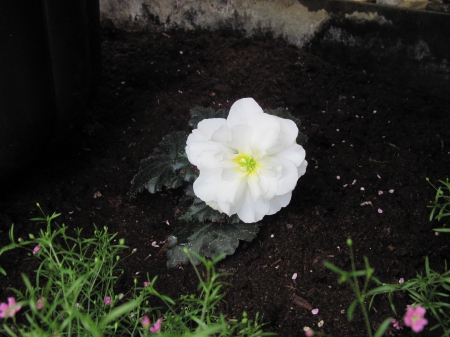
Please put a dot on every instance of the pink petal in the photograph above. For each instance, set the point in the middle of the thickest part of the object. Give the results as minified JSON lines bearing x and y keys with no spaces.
{"x":315,"y":311}
{"x":294,"y":277}
{"x":338,"y":177}
{"x":380,"y":210}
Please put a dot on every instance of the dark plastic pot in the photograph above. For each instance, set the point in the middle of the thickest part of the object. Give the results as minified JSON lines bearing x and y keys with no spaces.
{"x":49,"y":67}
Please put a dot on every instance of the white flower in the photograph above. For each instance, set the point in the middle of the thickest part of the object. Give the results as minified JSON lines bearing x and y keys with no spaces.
{"x":249,"y":163}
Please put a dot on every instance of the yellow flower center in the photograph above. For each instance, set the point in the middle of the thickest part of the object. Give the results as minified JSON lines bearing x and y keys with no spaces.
{"x":246,"y":163}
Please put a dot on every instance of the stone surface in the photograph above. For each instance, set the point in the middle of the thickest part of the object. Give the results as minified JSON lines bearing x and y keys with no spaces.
{"x":389,"y":2}
{"x":284,"y":18}
{"x":444,"y":8}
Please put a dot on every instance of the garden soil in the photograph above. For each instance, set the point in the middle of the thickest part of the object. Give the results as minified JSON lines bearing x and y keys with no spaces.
{"x":371,"y":147}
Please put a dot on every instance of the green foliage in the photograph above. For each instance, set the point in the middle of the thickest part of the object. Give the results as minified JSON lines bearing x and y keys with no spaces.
{"x":440,"y":206}
{"x":361,"y":294}
{"x":431,"y":291}
{"x":75,"y":275}
{"x":168,"y":166}
{"x":208,"y":239}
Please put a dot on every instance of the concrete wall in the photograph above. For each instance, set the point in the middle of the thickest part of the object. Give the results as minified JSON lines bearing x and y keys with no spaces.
{"x":285,"y":18}
{"x":409,"y":47}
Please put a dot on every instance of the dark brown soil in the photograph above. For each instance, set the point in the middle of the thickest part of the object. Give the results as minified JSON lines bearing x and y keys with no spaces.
{"x":364,"y":137}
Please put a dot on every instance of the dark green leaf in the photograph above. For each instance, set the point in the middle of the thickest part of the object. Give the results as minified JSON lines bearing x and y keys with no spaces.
{"x":207,"y":239}
{"x":168,"y":166}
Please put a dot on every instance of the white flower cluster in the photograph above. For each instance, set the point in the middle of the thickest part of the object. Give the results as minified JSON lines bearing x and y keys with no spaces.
{"x":249,"y":163}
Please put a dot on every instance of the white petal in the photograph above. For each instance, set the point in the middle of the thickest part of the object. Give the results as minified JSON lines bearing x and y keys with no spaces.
{"x":243,"y":111}
{"x":253,"y":210}
{"x":278,"y":202}
{"x":302,"y":168}
{"x":294,"y":153}
{"x":288,"y":179}
{"x":208,"y":126}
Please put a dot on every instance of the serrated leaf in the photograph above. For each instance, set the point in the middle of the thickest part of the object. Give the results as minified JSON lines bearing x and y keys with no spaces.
{"x":207,"y":239}
{"x":192,"y":208}
{"x":168,"y":166}
{"x":283,"y":113}
{"x":199,"y":114}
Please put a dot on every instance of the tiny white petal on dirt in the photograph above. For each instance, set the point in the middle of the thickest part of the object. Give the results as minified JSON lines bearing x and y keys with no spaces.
{"x":320,"y":324}
{"x":345,"y":185}
{"x":391,"y":191}
{"x":272,"y":236}
{"x":337,"y":130}
{"x":357,"y":116}
{"x":294,"y":277}
{"x":167,"y":223}
{"x":306,"y":328}
{"x":374,"y":111}
{"x":380,"y":210}
{"x":380,"y":192}
{"x":315,"y":311}
{"x":362,"y":188}
{"x":354,"y":182}
{"x":70,"y":212}
{"x":436,"y":233}
{"x":338,"y":177}
{"x":181,"y":52}
{"x":402,"y":280}
{"x":378,"y":176}
{"x":154,"y":244}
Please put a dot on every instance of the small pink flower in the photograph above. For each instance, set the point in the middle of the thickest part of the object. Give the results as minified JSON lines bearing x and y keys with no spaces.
{"x":36,"y":249}
{"x":10,"y":309}
{"x":414,"y":318}
{"x":156,"y":328}
{"x":107,"y":300}
{"x":294,"y":277}
{"x":396,"y":324}
{"x":146,"y":284}
{"x":315,"y":311}
{"x":145,"y":322}
{"x":40,"y":303}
